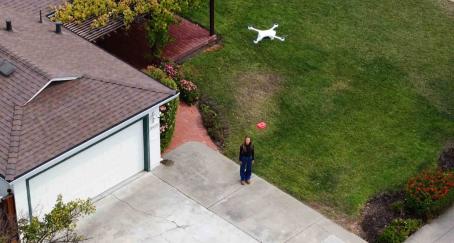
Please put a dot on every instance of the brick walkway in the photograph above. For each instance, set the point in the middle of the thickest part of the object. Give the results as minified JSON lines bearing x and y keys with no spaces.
{"x":188,"y":39}
{"x":189,"y":127}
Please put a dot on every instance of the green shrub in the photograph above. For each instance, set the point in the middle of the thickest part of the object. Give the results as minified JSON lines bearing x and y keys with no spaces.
{"x":189,"y":92}
{"x":213,"y":122}
{"x":158,"y":74}
{"x":157,"y":38}
{"x":59,"y":225}
{"x":399,"y":230}
{"x":429,"y":193}
{"x":169,"y":83}
{"x":169,"y":110}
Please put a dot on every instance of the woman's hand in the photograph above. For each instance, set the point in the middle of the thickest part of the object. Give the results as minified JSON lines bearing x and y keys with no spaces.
{"x":253,"y":161}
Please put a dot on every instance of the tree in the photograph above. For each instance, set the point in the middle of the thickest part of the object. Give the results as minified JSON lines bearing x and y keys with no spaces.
{"x":59,"y":225}
{"x":160,"y":14}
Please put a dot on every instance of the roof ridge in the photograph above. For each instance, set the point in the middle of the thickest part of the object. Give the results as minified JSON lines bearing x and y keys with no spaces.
{"x":126,"y":85}
{"x":14,"y":142}
{"x":24,"y":61}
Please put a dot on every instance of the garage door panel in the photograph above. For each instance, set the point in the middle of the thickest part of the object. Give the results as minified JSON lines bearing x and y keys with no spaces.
{"x":92,"y":171}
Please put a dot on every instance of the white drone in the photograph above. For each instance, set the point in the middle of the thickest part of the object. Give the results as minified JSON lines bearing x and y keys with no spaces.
{"x":270,"y":33}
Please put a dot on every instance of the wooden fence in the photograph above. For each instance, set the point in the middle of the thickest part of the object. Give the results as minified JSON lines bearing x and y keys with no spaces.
{"x":8,"y":219}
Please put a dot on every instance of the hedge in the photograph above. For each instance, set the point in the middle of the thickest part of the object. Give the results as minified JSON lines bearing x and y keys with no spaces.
{"x":169,"y":110}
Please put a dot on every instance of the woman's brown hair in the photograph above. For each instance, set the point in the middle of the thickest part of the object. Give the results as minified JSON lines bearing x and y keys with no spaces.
{"x":244,"y":142}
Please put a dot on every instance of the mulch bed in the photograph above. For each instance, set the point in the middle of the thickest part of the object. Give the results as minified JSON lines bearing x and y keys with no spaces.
{"x":379,"y":212}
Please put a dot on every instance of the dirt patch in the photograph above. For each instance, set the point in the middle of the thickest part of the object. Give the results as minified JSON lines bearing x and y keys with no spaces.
{"x":446,"y":159}
{"x":379,"y":212}
{"x":255,"y":92}
{"x":448,"y":5}
{"x":214,"y":48}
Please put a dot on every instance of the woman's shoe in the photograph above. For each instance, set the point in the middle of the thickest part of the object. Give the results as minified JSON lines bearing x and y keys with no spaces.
{"x":248,"y":182}
{"x":242,"y":182}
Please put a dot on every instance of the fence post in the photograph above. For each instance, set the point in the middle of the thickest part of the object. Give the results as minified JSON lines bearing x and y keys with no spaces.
{"x":212,"y":32}
{"x":8,"y":206}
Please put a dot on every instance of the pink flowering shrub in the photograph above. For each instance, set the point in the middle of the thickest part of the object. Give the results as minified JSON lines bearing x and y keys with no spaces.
{"x":171,"y":70}
{"x":189,"y":92}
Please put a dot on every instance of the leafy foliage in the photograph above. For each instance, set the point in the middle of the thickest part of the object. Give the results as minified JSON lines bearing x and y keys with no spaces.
{"x":172,"y":71}
{"x":160,"y":14}
{"x":429,"y":193}
{"x":189,"y":91}
{"x":57,"y":226}
{"x":399,"y":230}
{"x":432,"y":185}
{"x":213,"y":121}
{"x":169,"y":110}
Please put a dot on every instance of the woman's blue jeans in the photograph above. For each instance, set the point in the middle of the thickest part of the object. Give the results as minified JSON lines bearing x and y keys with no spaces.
{"x":246,"y":168}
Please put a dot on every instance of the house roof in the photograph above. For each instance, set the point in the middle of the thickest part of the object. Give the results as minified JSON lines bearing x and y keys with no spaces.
{"x":32,"y":6}
{"x":66,"y":54}
{"x":65,"y":114}
{"x":83,"y":29}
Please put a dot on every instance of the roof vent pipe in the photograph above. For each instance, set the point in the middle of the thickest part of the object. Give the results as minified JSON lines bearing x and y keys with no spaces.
{"x":9,"y":25}
{"x":58,"y":27}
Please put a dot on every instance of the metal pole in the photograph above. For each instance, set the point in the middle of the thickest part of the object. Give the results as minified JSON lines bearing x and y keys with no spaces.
{"x":212,"y":17}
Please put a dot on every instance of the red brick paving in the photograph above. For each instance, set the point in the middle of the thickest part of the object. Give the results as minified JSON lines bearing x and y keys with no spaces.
{"x":189,"y":127}
{"x":188,"y":38}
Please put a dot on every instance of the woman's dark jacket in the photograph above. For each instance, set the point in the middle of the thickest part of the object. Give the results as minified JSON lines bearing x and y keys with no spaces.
{"x":246,"y":151}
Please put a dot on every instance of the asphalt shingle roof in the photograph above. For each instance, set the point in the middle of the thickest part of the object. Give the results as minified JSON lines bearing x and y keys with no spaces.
{"x":32,"y":6}
{"x":66,"y":54}
{"x":65,"y":114}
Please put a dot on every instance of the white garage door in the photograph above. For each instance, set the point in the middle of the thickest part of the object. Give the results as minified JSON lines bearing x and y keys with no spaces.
{"x":91,"y":172}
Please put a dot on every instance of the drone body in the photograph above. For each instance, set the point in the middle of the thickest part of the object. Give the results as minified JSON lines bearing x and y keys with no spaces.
{"x":270,"y":33}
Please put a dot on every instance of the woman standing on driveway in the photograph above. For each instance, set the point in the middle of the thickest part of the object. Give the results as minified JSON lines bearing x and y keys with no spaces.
{"x":247,"y":159}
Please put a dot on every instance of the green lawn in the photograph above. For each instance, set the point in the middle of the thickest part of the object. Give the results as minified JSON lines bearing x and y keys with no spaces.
{"x":357,"y":99}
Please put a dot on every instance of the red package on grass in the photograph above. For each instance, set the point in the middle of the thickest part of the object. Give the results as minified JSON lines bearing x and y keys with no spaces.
{"x":261,"y":125}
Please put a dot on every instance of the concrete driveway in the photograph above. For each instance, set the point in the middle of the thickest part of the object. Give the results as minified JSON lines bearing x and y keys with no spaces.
{"x":199,"y":199}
